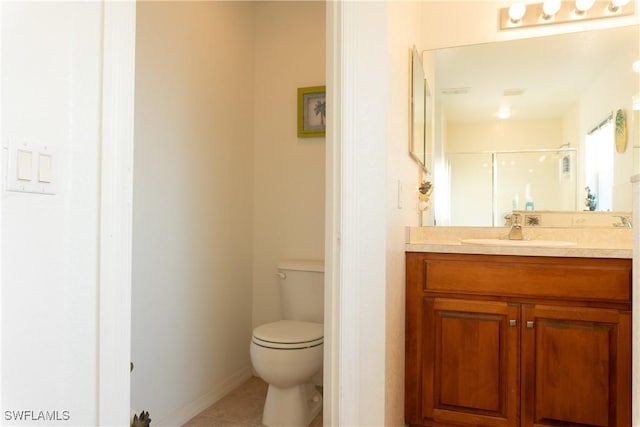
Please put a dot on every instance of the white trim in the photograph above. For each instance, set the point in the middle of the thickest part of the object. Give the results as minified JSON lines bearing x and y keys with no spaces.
{"x":190,"y":410}
{"x":357,"y":82}
{"x":635,"y":306}
{"x":348,"y":304}
{"x":114,"y":288}
{"x":331,"y":366}
{"x":2,"y":172}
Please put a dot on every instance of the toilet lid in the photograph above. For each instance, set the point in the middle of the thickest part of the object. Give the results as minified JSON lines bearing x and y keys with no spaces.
{"x":289,"y":334}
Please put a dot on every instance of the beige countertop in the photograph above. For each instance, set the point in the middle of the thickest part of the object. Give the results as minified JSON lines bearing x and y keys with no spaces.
{"x":589,"y":242}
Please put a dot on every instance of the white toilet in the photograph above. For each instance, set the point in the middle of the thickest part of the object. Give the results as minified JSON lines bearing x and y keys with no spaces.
{"x":287,"y":354}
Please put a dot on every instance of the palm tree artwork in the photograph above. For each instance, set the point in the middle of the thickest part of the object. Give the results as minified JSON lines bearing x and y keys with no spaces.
{"x":320,"y":109}
{"x":312,"y":111}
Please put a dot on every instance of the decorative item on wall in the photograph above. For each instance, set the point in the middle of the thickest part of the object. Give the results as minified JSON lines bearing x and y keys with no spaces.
{"x":591,"y":200}
{"x":311,"y":111}
{"x":621,"y":131}
{"x":424,"y":194}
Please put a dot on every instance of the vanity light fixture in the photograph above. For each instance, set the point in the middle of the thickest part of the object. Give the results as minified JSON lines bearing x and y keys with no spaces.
{"x":521,"y":15}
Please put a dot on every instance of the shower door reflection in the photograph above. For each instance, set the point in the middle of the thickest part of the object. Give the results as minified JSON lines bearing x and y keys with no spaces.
{"x":493,"y":184}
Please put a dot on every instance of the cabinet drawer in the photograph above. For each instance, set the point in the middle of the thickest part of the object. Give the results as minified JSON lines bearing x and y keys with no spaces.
{"x":586,"y":279}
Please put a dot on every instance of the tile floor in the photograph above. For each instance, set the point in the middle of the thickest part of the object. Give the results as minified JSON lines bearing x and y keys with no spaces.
{"x":240,"y":408}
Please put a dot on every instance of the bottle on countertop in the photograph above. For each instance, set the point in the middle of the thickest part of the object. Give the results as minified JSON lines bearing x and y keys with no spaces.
{"x":528,"y":206}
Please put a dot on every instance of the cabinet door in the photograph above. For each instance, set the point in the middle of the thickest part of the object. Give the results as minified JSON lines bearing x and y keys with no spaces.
{"x":470,"y":370}
{"x":576,"y":367}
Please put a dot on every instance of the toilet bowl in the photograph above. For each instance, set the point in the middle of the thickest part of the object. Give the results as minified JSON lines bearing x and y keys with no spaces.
{"x":286,"y":354}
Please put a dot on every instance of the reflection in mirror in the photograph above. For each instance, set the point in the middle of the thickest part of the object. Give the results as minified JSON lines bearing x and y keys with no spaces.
{"x":599,"y":163}
{"x":495,"y":185}
{"x":420,"y":141}
{"x":636,"y":135}
{"x":554,"y":90}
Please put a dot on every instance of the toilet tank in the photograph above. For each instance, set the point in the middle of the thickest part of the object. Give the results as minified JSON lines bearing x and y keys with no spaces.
{"x":302,"y":290}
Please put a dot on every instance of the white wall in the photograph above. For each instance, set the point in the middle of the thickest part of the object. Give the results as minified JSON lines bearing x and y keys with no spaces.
{"x":289,"y":172}
{"x":359,"y":150}
{"x":51,"y":87}
{"x":193,"y":201}
{"x":403,"y":33}
{"x":503,"y":135}
{"x":368,"y":214}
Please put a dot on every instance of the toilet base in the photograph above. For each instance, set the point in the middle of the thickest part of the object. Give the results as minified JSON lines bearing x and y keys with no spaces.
{"x":291,"y":407}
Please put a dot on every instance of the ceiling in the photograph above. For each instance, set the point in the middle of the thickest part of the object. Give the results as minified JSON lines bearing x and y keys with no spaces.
{"x":537,"y":77}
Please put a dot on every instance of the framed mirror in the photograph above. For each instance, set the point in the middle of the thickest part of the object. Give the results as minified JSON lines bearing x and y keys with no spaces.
{"x":421,"y":111}
{"x":507,"y":107}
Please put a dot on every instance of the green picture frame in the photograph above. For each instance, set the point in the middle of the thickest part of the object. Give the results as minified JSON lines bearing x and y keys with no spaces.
{"x":312,"y":111}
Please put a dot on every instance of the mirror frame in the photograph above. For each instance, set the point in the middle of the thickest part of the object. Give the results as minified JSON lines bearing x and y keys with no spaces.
{"x":420,"y":132}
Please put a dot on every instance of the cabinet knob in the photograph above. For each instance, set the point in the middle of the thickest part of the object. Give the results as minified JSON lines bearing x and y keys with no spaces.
{"x":530,"y":324}
{"x":513,"y":322}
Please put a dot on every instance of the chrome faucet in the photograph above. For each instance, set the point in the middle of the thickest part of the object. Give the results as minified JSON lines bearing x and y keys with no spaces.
{"x":625,"y":221}
{"x":516,"y":228}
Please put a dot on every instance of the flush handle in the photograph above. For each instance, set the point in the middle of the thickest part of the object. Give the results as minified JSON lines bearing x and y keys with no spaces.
{"x":530,"y":324}
{"x":513,"y":322}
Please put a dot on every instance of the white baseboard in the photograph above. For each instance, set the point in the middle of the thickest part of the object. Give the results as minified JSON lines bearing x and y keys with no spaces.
{"x":184,"y":414}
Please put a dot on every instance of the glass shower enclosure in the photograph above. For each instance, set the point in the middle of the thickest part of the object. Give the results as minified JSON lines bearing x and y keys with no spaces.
{"x":485,"y":187}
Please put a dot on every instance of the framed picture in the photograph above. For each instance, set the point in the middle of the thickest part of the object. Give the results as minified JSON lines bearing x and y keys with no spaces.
{"x":311,"y":111}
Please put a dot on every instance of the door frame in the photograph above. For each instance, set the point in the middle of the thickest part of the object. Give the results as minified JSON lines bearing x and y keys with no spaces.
{"x":115,"y":213}
{"x":352,"y":386}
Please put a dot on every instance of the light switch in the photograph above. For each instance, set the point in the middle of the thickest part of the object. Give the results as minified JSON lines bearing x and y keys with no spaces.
{"x":31,"y":167}
{"x":23,"y":167}
{"x":44,"y":168}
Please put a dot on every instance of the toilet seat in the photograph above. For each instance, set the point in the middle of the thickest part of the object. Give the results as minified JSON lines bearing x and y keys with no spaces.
{"x":289,"y":335}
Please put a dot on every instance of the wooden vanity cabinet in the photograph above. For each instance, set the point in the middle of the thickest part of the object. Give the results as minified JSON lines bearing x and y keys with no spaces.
{"x":517,"y":341}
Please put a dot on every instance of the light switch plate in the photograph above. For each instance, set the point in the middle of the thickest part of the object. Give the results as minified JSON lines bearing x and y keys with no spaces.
{"x":31,"y":167}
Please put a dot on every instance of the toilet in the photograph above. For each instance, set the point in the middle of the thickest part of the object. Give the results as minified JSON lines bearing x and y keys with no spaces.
{"x":287,"y":354}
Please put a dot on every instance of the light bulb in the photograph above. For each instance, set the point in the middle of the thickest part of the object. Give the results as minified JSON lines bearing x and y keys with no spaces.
{"x":517,"y":11}
{"x":636,"y":66}
{"x":584,"y":5}
{"x":550,"y":8}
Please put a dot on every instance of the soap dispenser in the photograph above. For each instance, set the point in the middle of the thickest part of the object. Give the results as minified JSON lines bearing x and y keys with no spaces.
{"x":528,"y":206}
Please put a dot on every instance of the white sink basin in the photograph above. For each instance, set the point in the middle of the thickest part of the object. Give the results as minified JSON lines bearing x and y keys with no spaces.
{"x":519,"y":243}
